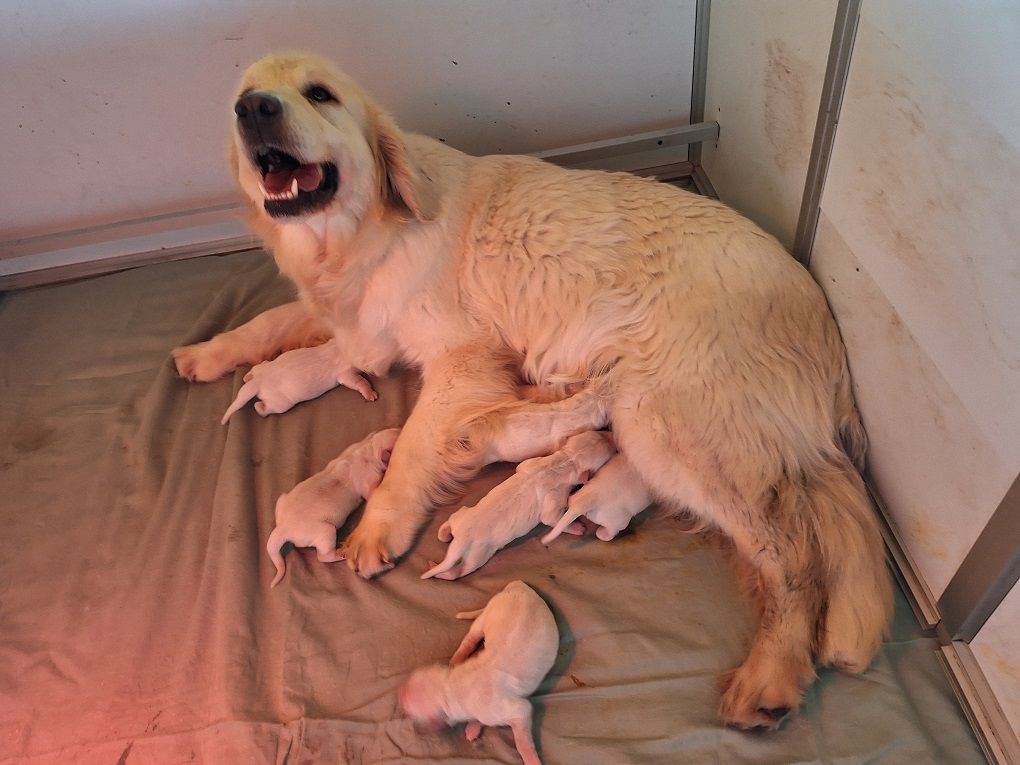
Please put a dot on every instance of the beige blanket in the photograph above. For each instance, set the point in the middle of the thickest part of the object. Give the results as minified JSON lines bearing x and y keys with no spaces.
{"x":137,"y":625}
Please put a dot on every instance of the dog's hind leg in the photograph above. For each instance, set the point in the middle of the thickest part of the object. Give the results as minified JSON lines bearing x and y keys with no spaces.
{"x":684,"y":465}
{"x":266,"y":336}
{"x":776,"y":539}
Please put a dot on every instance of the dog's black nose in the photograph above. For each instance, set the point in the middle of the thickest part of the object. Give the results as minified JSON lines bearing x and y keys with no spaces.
{"x":258,"y":107}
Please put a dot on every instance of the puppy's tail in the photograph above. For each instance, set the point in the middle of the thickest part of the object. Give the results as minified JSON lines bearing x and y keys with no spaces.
{"x":575,"y":509}
{"x":859,"y":591}
{"x":273,"y":547}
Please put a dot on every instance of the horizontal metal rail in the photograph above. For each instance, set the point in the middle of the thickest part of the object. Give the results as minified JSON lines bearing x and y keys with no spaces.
{"x":612,"y":148}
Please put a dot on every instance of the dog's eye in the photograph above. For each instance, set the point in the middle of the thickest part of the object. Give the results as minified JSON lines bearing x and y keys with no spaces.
{"x":319,"y":94}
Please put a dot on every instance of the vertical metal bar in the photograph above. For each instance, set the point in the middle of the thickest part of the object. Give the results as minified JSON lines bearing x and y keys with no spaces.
{"x":702,"y":12}
{"x":843,"y":32}
{"x":987,"y":574}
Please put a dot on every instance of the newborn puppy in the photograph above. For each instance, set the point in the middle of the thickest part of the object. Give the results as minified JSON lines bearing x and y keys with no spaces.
{"x":310,"y":513}
{"x":491,"y":687}
{"x":537,"y":491}
{"x":610,"y":499}
{"x":296,"y":376}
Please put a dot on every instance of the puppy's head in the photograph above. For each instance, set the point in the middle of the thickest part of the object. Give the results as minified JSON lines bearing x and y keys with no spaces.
{"x":421,"y":697}
{"x":307,"y":140}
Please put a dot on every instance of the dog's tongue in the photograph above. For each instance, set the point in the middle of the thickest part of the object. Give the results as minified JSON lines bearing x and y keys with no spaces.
{"x":308,"y":178}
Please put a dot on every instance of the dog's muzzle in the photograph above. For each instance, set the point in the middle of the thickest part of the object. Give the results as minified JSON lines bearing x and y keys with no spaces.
{"x":290,"y":185}
{"x":259,"y":118}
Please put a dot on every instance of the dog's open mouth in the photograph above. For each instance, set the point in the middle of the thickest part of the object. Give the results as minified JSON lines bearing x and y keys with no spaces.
{"x":291,"y":187}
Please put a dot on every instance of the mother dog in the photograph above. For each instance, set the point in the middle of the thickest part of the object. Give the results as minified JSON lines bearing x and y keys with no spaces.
{"x":721,"y":368}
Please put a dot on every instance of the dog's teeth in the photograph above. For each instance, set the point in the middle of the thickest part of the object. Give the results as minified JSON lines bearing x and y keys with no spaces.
{"x":293,"y":188}
{"x":263,"y":189}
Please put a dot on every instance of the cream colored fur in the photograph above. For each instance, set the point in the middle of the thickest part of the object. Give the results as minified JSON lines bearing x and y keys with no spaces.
{"x":609,"y":500}
{"x":722,"y":368}
{"x":538,"y":491}
{"x":501,"y":661}
{"x":310,"y":514}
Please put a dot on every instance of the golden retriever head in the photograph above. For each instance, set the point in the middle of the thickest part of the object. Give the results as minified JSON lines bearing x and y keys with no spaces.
{"x":307,"y":140}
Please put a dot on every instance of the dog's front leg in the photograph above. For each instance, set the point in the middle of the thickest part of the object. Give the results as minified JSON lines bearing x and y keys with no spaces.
{"x":270,"y":333}
{"x":434,"y":451}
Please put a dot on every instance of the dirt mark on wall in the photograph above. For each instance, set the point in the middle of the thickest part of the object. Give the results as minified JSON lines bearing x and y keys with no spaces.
{"x":788,"y":115}
{"x":934,"y":195}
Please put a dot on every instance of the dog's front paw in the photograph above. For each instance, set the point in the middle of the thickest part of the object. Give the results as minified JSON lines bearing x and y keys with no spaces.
{"x":374,"y":547}
{"x":204,"y":362}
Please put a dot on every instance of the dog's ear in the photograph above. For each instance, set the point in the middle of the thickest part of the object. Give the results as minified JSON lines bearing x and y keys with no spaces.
{"x":403,"y":182}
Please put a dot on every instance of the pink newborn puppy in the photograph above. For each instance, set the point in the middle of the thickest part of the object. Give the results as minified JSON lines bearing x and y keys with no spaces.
{"x":296,"y":376}
{"x":610,"y":499}
{"x":491,"y":687}
{"x":537,"y":491}
{"x":310,"y":513}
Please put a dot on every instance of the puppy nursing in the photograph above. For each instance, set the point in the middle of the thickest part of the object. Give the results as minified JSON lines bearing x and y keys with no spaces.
{"x":538,"y":491}
{"x":310,"y":513}
{"x":491,"y":687}
{"x":615,"y":494}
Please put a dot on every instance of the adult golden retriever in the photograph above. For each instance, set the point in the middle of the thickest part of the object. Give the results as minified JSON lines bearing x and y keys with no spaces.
{"x":714,"y":352}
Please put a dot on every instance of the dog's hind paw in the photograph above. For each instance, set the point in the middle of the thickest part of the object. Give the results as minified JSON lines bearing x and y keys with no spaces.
{"x":761,"y":694}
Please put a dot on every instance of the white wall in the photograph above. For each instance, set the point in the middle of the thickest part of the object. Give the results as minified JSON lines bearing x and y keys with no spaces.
{"x":120,"y":109}
{"x":766,"y":63}
{"x":918,"y":240}
{"x":921,"y":200}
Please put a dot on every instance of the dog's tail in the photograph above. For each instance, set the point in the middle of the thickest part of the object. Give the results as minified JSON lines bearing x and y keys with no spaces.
{"x":276,"y":542}
{"x":852,"y":436}
{"x":859,"y":602}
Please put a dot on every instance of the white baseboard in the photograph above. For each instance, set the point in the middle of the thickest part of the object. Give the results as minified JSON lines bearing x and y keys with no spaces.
{"x":978,"y":701}
{"x":89,"y":251}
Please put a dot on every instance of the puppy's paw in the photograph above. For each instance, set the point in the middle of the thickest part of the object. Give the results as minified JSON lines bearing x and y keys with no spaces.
{"x":760,"y":694}
{"x":464,"y":555}
{"x":351,"y":378}
{"x":204,"y":362}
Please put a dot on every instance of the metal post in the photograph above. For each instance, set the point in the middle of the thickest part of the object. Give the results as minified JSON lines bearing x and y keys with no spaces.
{"x":700,"y":75}
{"x":702,"y":14}
{"x":987,"y":574}
{"x":843,"y":32}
